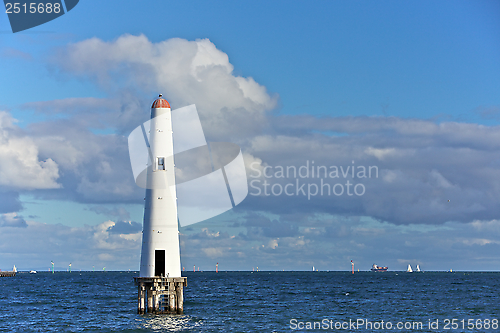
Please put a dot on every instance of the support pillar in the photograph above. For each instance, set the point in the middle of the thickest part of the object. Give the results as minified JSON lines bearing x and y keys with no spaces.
{"x":157,"y":303}
{"x":150,"y":299}
{"x":140,"y":299}
{"x":171,"y":296}
{"x":180,"y":297}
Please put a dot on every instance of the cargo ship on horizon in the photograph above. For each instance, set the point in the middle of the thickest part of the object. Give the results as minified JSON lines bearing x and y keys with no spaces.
{"x":376,"y":268}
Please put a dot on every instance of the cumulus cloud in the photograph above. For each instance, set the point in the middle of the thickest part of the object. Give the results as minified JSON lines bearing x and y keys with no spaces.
{"x":95,"y":168}
{"x":187,"y":72}
{"x":20,"y":166}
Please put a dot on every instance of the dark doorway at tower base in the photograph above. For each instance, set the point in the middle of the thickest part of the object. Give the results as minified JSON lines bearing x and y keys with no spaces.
{"x":160,"y":263}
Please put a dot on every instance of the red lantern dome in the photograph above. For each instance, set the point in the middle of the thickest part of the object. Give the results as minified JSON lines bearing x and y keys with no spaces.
{"x":160,"y":103}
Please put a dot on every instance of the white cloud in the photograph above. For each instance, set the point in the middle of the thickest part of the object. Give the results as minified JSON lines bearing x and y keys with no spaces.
{"x":20,"y":167}
{"x":94,"y":168}
{"x":186,"y":72}
{"x":63,"y":151}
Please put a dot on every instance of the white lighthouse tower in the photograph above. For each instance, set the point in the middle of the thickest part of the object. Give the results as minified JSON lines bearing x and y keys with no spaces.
{"x":160,"y":273}
{"x":160,"y":254}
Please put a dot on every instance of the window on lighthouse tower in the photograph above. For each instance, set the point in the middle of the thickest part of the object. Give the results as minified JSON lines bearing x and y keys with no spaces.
{"x":161,"y":163}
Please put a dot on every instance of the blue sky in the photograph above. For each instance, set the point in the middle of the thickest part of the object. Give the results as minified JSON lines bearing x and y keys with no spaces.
{"x":410,"y":87}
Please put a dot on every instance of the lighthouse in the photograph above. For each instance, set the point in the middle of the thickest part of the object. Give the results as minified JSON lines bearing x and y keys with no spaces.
{"x":160,"y":282}
{"x":160,"y":255}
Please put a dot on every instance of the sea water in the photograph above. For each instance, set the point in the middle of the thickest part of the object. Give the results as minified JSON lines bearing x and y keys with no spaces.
{"x":257,"y":302}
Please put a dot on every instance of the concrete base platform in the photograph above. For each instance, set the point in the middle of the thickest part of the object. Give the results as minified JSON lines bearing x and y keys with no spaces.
{"x":160,"y":294}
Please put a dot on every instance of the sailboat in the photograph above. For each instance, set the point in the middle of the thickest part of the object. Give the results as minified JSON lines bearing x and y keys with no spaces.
{"x":409,"y":270}
{"x":418,"y":268}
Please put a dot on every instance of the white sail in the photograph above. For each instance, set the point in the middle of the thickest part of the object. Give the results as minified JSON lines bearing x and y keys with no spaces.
{"x":409,"y":270}
{"x":418,"y":268}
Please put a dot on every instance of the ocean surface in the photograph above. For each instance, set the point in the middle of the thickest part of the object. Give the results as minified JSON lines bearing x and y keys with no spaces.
{"x":256,"y":302}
